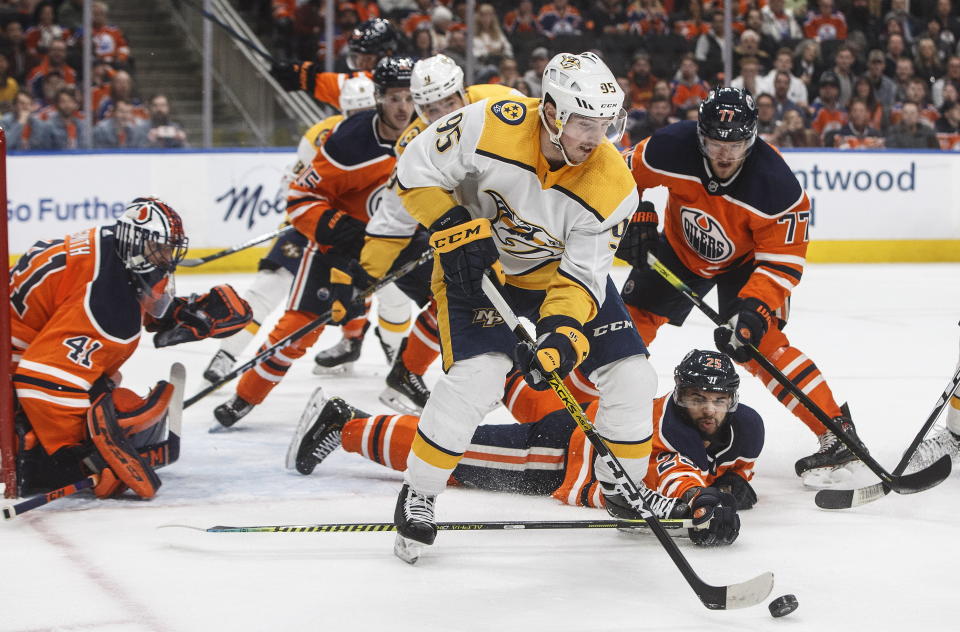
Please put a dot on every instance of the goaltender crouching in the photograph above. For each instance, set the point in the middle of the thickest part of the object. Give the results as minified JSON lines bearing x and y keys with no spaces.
{"x":705,"y":444}
{"x":77,"y":307}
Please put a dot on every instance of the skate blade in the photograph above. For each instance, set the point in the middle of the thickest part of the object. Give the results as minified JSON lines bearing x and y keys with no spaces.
{"x":835,"y":477}
{"x":341,"y":369}
{"x":399,"y":402}
{"x":317,"y":401}
{"x":408,"y":550}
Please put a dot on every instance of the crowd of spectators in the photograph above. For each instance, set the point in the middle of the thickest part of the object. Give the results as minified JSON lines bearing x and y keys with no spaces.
{"x":848,"y":74}
{"x":40,"y":82}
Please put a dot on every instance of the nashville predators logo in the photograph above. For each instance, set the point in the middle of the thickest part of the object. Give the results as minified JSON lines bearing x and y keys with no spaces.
{"x":569,"y":61}
{"x":509,"y":112}
{"x":291,"y":250}
{"x":519,"y":237}
{"x":705,"y":235}
{"x":486,"y":317}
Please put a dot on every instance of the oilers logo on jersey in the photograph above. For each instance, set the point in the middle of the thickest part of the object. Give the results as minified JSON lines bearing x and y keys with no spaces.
{"x":705,"y":235}
{"x":519,"y":237}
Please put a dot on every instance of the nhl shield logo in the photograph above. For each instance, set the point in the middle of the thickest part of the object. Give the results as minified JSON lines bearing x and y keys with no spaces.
{"x":705,"y":235}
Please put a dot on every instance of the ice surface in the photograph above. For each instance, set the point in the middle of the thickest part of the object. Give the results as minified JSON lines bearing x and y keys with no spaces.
{"x":884,"y":335}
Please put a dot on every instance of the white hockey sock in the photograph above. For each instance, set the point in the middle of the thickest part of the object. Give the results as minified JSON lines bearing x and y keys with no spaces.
{"x":264,"y":295}
{"x":393,"y":314}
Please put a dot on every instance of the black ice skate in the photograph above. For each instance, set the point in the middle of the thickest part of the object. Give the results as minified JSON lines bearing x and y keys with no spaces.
{"x":406,"y":391}
{"x":221,"y":364}
{"x":816,"y":469}
{"x":232,"y":411}
{"x":941,"y":442}
{"x":416,"y":525}
{"x":340,"y":357}
{"x":318,"y":433}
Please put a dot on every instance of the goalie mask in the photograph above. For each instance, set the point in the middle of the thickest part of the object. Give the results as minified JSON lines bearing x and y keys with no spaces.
{"x":588,"y":102}
{"x":151,"y":242}
{"x":706,"y":385}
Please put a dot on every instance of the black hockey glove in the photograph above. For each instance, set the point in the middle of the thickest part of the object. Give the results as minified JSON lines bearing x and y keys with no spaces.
{"x":465,"y":249}
{"x":641,"y":237}
{"x":287,"y":75}
{"x":346,"y":283}
{"x":720,"y":509}
{"x":737,"y":486}
{"x":561,"y":346}
{"x":749,"y":324}
{"x":342,"y":232}
{"x":219,"y":313}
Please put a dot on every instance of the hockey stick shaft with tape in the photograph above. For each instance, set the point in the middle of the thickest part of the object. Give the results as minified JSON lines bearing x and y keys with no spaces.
{"x":193,"y":263}
{"x":367,"y":527}
{"x":916,"y":482}
{"x":320,"y":320}
{"x":732,"y":596}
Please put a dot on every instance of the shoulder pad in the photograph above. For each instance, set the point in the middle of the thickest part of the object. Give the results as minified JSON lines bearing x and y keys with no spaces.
{"x":748,"y":427}
{"x":354,"y":141}
{"x":769,"y":186}
{"x":112,"y":300}
{"x":675,"y":149}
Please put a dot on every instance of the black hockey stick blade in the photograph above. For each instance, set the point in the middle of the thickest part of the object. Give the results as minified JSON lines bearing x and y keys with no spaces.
{"x":907,"y":484}
{"x":372,"y":527}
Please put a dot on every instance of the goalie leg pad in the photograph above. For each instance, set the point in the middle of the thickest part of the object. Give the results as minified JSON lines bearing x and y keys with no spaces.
{"x":143,"y":419}
{"x":118,"y":454}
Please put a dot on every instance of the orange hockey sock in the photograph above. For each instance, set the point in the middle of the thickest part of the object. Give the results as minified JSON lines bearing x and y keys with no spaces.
{"x":256,"y":383}
{"x":423,"y":343}
{"x":385,"y":439}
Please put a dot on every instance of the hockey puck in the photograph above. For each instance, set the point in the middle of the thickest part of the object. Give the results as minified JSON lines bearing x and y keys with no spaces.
{"x":783,"y":605}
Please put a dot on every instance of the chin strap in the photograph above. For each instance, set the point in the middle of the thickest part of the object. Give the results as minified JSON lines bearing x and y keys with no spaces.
{"x":555,"y":138}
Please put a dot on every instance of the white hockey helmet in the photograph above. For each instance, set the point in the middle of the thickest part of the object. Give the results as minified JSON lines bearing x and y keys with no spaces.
{"x":582,"y":85}
{"x":356,"y":95}
{"x":435,"y":78}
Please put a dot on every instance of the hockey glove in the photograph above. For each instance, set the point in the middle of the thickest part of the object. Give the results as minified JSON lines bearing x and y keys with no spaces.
{"x":747,"y":327}
{"x":288,"y":75}
{"x":342,"y":232}
{"x":346,"y":282}
{"x":720,"y":510}
{"x":218,"y":314}
{"x":465,"y":249}
{"x":561,"y":346}
{"x":737,"y":486}
{"x":641,"y":237}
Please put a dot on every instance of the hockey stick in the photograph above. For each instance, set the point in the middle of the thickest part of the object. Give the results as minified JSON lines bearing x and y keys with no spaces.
{"x":847,"y":498}
{"x":910,"y":484}
{"x":322,"y":319}
{"x":193,"y":263}
{"x":740,"y":595}
{"x":369,"y":527}
{"x":156,"y":455}
{"x":230,"y":31}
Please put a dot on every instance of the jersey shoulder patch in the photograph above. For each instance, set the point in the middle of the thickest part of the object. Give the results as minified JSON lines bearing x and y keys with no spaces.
{"x":354,"y":142}
{"x":509,"y":111}
{"x":111,"y":300}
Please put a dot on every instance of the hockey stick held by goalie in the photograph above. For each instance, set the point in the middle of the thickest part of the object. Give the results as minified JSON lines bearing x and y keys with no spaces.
{"x":193,"y":263}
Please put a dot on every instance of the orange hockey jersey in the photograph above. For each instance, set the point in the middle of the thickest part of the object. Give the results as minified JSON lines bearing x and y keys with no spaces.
{"x":679,"y":460}
{"x":760,"y":215}
{"x":74,"y":318}
{"x":348,"y":174}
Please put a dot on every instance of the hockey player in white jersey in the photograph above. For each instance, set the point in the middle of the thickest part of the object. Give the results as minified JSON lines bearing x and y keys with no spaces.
{"x":535,"y":191}
{"x":275,"y":272}
{"x":436,"y":86}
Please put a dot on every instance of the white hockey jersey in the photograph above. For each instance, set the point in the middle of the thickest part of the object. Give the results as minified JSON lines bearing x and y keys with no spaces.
{"x":555,"y":230}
